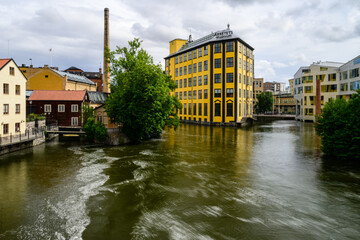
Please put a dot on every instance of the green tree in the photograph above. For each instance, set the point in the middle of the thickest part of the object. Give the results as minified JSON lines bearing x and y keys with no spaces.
{"x":95,"y":130}
{"x":265,"y":102}
{"x":339,"y":128}
{"x":87,"y":112}
{"x":140,"y":94}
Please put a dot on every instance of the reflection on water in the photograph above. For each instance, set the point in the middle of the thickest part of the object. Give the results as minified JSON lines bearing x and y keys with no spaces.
{"x":265,"y":182}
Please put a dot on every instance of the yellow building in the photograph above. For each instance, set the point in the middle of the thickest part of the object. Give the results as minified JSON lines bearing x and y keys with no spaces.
{"x":291,"y":85}
{"x":258,"y":88}
{"x":12,"y":99}
{"x":50,"y":79}
{"x":214,"y":75}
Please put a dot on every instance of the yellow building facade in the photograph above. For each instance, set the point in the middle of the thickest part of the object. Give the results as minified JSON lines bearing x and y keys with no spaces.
{"x":214,"y":75}
{"x":46,"y":78}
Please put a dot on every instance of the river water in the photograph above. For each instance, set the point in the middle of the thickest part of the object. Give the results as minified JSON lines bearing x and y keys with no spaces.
{"x":269,"y":181}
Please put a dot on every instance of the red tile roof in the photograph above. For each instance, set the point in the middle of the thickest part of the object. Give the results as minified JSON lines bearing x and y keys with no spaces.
{"x":4,"y":61}
{"x":57,"y":95}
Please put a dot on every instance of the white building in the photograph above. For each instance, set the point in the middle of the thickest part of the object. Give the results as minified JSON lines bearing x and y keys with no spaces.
{"x":12,"y":99}
{"x":317,"y":83}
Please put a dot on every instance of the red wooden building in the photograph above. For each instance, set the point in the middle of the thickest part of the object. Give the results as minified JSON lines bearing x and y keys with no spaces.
{"x":63,"y":108}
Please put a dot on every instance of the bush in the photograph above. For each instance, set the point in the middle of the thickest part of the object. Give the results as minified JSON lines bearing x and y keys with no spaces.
{"x":95,"y":131}
{"x":339,"y":128}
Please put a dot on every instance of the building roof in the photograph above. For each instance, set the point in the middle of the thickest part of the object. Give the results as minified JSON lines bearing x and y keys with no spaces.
{"x":3,"y":62}
{"x":74,"y":77}
{"x":328,"y":64}
{"x":97,"y":97}
{"x":28,"y":93}
{"x":93,"y":75}
{"x":221,"y":35}
{"x":57,"y":95}
{"x":72,"y":68}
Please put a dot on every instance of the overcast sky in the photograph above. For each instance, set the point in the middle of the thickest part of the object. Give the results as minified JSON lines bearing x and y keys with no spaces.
{"x":286,"y":34}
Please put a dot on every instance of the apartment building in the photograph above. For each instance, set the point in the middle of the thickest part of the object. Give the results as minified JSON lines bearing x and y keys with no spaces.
{"x":214,"y":75}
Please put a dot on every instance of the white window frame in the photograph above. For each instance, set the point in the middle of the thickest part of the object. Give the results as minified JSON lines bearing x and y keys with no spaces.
{"x":47,"y":107}
{"x":74,"y":108}
{"x":61,"y":107}
{"x":74,"y":121}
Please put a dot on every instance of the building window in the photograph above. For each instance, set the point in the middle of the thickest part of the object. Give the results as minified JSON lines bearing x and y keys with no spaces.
{"x":185,"y":57}
{"x":229,"y":92}
{"x":185,"y":83}
{"x":185,"y":70}
{"x":229,"y":109}
{"x":181,"y":71}
{"x":176,"y":60}
{"x":17,"y":127}
{"x":200,"y":66}
{"x":218,"y":78}
{"x":185,"y":95}
{"x":176,"y":72}
{"x":205,"y":93}
{"x":200,"y":109}
{"x":12,"y":71}
{"x":190,"y":56}
{"x":6,"y":128}
{"x":46,"y":76}
{"x":61,"y":107}
{"x":6,"y":88}
{"x":6,"y":108}
{"x":190,"y":69}
{"x":17,"y":108}
{"x":194,"y":94}
{"x":17,"y":89}
{"x":217,"y":93}
{"x":354,"y":73}
{"x":200,"y":80}
{"x":218,"y":63}
{"x":205,"y":65}
{"x":184,"y":108}
{"x":229,"y":62}
{"x":205,"y":79}
{"x":194,"y":69}
{"x":229,"y":77}
{"x":189,"y":85}
{"x":194,"y":109}
{"x":194,"y":81}
{"x":74,"y":121}
{"x":200,"y":94}
{"x":74,"y":108}
{"x":244,"y":65}
{"x":194,"y":54}
{"x":180,"y":95}
{"x":200,"y":52}
{"x":230,"y":46}
{"x":180,"y":83}
{"x":180,"y":58}
{"x":176,"y":83}
{"x":189,"y":109}
{"x":205,"y":50}
{"x":217,"y":47}
{"x":189,"y":95}
{"x":239,"y":62}
{"x":217,"y":109}
{"x":47,"y":108}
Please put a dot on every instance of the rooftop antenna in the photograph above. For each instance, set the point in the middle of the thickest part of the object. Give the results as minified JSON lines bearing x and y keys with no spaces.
{"x":190,"y":37}
{"x":50,"y":51}
{"x":30,"y":59}
{"x":228,"y":26}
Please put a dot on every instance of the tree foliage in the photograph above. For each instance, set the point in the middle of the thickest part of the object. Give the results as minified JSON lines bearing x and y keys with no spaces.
{"x":140,"y":97}
{"x":87,"y":112}
{"x":339,"y":128}
{"x":95,"y":130}
{"x":265,"y":102}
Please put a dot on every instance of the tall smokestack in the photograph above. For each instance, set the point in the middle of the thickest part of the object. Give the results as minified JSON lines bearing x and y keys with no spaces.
{"x":106,"y":75}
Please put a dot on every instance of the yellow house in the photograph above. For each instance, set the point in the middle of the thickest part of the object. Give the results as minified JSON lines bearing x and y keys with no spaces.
{"x":12,"y":99}
{"x":50,"y":79}
{"x":214,"y":75}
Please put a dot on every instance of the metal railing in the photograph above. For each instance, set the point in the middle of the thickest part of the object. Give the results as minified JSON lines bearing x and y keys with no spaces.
{"x":29,"y":134}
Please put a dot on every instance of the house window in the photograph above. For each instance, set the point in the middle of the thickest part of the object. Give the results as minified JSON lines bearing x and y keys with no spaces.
{"x":205,"y":50}
{"x":217,"y":109}
{"x":6,"y":88}
{"x":12,"y":71}
{"x":218,"y":63}
{"x":217,"y":93}
{"x":17,"y":127}
{"x":61,"y":108}
{"x":229,"y":77}
{"x":6,"y":128}
{"x":230,"y":46}
{"x":47,"y":108}
{"x":46,"y":76}
{"x":17,"y":108}
{"x":17,"y":89}
{"x":74,"y":121}
{"x":6,"y":108}
{"x":205,"y":93}
{"x":229,"y":92}
{"x":74,"y":108}
{"x":217,"y":47}
{"x":229,"y":62}
{"x":205,"y":79}
{"x":229,"y":109}
{"x":218,"y":78}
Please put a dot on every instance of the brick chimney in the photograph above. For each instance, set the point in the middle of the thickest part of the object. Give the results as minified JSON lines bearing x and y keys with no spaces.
{"x":106,"y":75}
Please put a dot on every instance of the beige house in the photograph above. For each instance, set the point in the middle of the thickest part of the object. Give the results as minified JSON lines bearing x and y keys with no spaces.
{"x":12,"y":99}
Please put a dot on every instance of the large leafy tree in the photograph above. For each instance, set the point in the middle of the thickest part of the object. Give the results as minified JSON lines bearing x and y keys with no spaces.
{"x":265,"y":102}
{"x":339,"y":128}
{"x":140,"y":97}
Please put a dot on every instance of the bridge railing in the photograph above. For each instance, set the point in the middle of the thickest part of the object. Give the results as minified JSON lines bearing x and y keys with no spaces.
{"x":29,"y":134}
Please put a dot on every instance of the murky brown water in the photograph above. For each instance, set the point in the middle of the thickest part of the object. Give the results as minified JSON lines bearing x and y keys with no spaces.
{"x":266,"y":182}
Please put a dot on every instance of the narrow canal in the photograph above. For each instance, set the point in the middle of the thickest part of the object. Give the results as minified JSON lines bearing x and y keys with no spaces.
{"x":266,"y":182}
